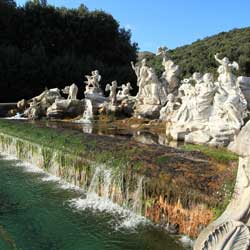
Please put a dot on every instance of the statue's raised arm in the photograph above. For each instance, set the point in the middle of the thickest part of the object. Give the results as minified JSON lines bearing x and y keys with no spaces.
{"x":133,"y":65}
{"x":216,"y":56}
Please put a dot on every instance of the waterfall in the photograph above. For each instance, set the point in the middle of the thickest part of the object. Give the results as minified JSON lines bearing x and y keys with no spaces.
{"x":137,"y":199}
{"x":94,"y":184}
{"x":88,"y":113}
{"x":107,"y":182}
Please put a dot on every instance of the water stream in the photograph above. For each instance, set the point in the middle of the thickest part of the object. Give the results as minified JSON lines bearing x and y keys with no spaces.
{"x":41,"y":212}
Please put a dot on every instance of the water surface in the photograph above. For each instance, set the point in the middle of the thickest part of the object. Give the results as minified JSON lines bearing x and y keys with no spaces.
{"x":36,"y":213}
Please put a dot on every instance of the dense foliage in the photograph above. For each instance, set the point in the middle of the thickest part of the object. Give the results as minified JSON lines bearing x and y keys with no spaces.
{"x":199,"y":56}
{"x":41,"y":45}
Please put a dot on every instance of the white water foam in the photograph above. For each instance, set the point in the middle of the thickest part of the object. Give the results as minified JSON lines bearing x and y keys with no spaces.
{"x":31,"y":168}
{"x":26,"y":165}
{"x":127,"y":219}
{"x":8,"y":157}
{"x":18,"y":116}
{"x":52,"y":178}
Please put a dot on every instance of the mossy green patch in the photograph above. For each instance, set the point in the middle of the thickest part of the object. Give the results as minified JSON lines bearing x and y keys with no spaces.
{"x":218,"y":154}
{"x":162,"y":159}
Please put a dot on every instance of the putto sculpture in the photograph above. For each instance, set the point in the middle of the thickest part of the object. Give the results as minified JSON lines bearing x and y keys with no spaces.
{"x":93,"y":84}
{"x":124,"y":92}
{"x":112,"y":89}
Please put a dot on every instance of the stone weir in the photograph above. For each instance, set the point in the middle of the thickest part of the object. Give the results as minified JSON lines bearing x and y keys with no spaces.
{"x":178,"y":189}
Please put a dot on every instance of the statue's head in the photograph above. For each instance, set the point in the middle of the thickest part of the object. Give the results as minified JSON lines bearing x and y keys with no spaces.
{"x":96,"y":72}
{"x":152,"y":70}
{"x":170,"y":98}
{"x":114,"y":83}
{"x":162,"y":51}
{"x":144,"y":61}
{"x":225,"y":60}
{"x":197,"y":76}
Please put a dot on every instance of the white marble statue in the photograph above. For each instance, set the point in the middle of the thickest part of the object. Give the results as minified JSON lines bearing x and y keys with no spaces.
{"x":93,"y":90}
{"x":141,"y":72}
{"x":151,"y":88}
{"x":211,"y":112}
{"x":187,"y":94}
{"x":93,"y":83}
{"x":112,"y":88}
{"x":148,"y":101}
{"x":229,"y":102}
{"x":125,"y":91}
{"x":148,"y":84}
{"x":170,"y":77}
{"x":167,"y":112}
{"x":244,"y":83}
{"x":71,"y":91}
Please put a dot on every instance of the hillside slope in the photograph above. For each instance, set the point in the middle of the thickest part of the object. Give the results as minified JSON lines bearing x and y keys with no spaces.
{"x":199,"y":56}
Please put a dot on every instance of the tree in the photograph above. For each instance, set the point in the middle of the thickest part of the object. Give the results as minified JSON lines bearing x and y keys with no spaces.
{"x":11,"y":3}
{"x":82,"y":10}
{"x":43,"y":3}
{"x":47,"y":46}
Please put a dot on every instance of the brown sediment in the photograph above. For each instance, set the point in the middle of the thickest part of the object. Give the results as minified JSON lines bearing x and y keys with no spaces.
{"x":188,"y":221}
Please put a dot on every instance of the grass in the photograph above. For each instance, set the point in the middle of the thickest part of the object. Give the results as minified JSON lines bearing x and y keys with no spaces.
{"x":67,"y":141}
{"x":220,"y":155}
{"x":162,"y":159}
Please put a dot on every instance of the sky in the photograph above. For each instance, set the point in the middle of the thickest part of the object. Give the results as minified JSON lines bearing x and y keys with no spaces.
{"x":170,"y":23}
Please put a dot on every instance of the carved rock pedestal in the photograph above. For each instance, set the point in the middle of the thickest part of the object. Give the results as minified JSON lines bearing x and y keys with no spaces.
{"x":65,"y":108}
{"x":147,"y":111}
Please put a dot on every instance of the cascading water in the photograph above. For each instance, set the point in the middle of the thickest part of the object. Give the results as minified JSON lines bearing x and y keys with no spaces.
{"x":88,"y":113}
{"x":137,"y":203}
{"x":18,"y":116}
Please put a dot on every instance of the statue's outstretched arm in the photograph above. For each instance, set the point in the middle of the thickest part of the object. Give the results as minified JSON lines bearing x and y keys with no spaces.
{"x":133,"y":65}
{"x":216,"y":56}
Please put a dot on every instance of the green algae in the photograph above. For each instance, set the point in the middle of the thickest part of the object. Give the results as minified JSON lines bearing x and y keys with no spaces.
{"x":218,"y":154}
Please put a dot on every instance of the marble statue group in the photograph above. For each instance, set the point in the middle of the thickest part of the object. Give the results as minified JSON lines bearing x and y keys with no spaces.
{"x":201,"y":109}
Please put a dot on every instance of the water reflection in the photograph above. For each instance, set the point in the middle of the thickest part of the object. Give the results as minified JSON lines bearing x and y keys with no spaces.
{"x":142,"y":136}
